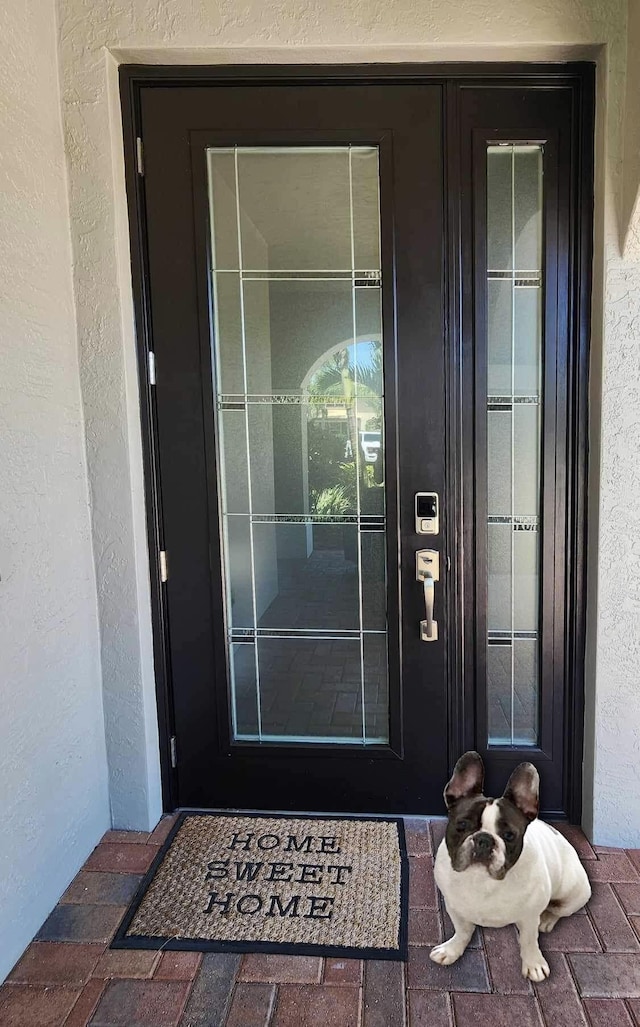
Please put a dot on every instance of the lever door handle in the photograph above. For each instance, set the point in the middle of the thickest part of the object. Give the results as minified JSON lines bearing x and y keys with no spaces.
{"x":428,"y":572}
{"x":429,"y":627}
{"x":429,"y":596}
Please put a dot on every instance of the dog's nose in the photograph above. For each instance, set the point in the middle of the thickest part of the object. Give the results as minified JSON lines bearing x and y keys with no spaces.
{"x":483,"y":843}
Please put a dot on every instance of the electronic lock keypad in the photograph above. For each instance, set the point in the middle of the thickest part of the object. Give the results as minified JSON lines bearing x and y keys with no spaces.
{"x":427,"y":514}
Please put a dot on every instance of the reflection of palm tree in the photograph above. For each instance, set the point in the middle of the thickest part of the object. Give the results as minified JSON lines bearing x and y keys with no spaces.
{"x":348,"y":385}
{"x":338,"y":378}
{"x":329,"y":379}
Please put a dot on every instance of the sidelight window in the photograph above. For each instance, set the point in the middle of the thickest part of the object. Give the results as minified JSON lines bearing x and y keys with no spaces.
{"x":514,"y":418}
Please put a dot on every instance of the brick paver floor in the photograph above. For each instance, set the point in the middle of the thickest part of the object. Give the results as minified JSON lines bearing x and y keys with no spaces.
{"x":68,"y":977}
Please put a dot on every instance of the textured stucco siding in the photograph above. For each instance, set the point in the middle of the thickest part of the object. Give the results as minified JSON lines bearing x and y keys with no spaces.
{"x":53,"y":783}
{"x":93,"y":37}
{"x":614,"y":707}
{"x":612,"y":737}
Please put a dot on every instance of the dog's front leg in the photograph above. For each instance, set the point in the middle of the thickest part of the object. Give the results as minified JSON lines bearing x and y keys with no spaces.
{"x":451,"y":950}
{"x":534,"y":965}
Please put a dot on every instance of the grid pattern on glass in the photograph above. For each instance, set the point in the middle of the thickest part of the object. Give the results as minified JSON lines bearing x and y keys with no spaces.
{"x":298,"y":387}
{"x":514,"y":411}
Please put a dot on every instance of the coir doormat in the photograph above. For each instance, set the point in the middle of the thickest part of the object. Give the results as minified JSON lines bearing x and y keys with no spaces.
{"x":334,"y":886}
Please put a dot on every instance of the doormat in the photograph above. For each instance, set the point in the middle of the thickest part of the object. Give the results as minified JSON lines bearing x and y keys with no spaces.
{"x":228,"y":882}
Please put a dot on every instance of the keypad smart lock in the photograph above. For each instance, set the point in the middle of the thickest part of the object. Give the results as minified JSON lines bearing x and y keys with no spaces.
{"x":427,"y":514}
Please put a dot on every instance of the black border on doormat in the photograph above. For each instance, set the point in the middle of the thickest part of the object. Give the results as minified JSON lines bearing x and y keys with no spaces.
{"x":399,"y":954}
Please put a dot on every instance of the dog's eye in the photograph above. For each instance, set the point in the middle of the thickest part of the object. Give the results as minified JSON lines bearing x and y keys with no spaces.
{"x":462,"y":825}
{"x":508,"y":836}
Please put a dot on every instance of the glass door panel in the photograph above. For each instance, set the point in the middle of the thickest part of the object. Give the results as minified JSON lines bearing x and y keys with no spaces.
{"x":298,"y":384}
{"x":514,"y":405}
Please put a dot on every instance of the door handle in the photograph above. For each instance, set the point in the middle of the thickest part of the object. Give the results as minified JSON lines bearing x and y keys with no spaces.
{"x":429,"y":627}
{"x":428,"y":572}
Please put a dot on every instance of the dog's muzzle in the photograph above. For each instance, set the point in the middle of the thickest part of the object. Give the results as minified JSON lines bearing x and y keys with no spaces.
{"x":483,"y":844}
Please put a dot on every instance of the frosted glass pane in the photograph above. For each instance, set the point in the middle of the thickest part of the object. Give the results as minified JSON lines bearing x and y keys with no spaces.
{"x":366,"y":213}
{"x":298,"y":388}
{"x":526,"y":584}
{"x":261,"y":456}
{"x":376,"y":688}
{"x":527,"y":184}
{"x":369,"y":404}
{"x":513,"y":571}
{"x":289,"y":196}
{"x":294,"y":330}
{"x":227,"y":333}
{"x":514,"y":207}
{"x":374,"y":590}
{"x":223,"y":214}
{"x":500,"y":328}
{"x":513,"y":710}
{"x":499,"y":208}
{"x":232,"y":449}
{"x":527,"y":341}
{"x":500,"y":580}
{"x":514,"y":418}
{"x":239,"y":575}
{"x":526,"y":692}
{"x":499,"y":694}
{"x":526,"y":471}
{"x":368,"y":352}
{"x":499,"y":464}
{"x":244,"y":689}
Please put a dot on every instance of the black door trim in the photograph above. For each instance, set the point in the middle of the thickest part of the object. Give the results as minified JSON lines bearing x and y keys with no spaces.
{"x":579,"y":77}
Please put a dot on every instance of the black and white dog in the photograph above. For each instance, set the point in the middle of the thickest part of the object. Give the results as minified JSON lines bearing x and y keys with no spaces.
{"x":498,"y":864}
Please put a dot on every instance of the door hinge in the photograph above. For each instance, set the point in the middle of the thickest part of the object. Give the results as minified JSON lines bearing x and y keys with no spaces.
{"x":173,"y":751}
{"x":164,"y":572}
{"x":139,"y":156}
{"x":152,"y":367}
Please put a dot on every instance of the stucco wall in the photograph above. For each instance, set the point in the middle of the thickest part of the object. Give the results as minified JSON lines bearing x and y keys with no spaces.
{"x":612,"y":770}
{"x":93,"y":37}
{"x":53,"y":784}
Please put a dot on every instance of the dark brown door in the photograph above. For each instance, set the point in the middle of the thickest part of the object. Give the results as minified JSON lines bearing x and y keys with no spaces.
{"x":296,"y":269}
{"x":365,"y":430}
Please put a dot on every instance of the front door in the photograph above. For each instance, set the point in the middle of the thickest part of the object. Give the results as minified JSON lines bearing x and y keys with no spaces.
{"x":317,"y":469}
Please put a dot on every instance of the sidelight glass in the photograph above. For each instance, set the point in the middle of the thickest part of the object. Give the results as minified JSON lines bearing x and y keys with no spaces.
{"x":298,"y":388}
{"x":514,"y":420}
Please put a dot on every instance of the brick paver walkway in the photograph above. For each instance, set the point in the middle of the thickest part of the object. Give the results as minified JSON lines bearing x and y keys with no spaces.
{"x":68,"y":977}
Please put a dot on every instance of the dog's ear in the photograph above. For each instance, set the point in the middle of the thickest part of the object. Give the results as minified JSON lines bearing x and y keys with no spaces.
{"x":467,"y":779}
{"x":523,"y":790}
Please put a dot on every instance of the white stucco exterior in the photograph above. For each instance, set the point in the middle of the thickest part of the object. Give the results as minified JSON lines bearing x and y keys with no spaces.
{"x":53,"y":769}
{"x":54,"y":590}
{"x":92,"y":41}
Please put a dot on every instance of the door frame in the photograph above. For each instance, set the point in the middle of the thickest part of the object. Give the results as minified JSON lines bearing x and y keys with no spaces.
{"x":579,"y":77}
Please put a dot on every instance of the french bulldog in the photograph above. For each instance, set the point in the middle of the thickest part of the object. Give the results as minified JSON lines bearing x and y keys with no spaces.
{"x":498,"y":864}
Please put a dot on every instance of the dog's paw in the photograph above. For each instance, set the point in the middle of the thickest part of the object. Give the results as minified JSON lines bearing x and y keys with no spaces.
{"x":548,"y":921}
{"x":536,"y":969}
{"x":445,"y":954}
